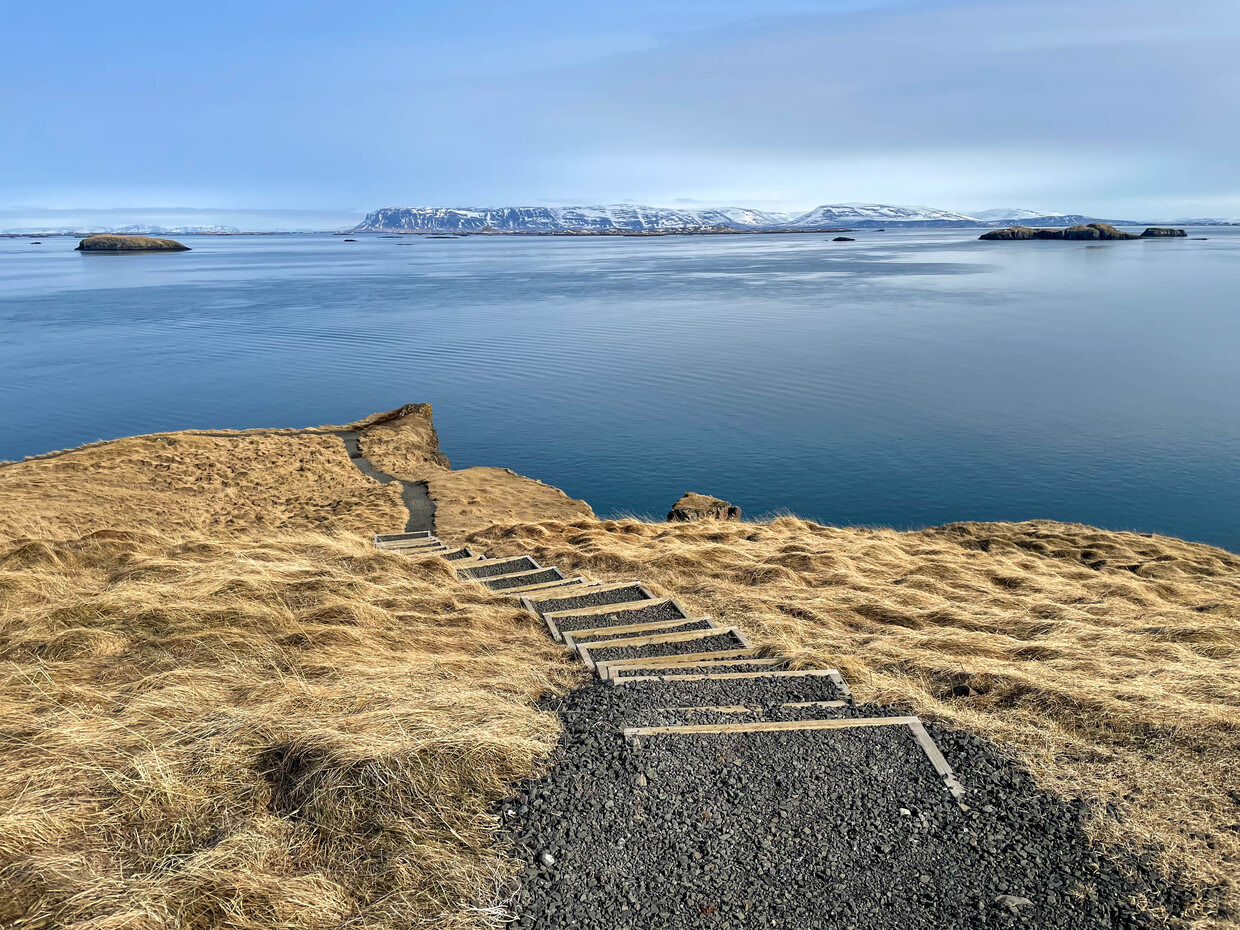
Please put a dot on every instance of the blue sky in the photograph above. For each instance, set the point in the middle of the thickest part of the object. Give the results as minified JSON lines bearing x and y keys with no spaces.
{"x":308,"y":114}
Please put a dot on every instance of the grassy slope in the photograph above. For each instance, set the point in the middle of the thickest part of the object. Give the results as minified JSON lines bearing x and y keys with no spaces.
{"x":1108,"y":661}
{"x":220,"y":707}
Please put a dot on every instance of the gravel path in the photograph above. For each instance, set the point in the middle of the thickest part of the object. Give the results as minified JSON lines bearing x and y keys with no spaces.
{"x":808,"y":829}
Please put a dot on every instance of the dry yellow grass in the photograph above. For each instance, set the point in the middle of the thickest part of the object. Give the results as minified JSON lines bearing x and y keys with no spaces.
{"x":1109,"y":661}
{"x":220,"y":483}
{"x":281,"y":730}
{"x":220,"y":707}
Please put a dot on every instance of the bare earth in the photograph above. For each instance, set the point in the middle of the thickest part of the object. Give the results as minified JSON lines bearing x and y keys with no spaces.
{"x":221,"y":707}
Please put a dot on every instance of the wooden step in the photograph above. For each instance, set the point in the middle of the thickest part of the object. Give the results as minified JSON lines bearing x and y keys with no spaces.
{"x":520,"y":579}
{"x":413,"y":546}
{"x":463,"y":554}
{"x":914,"y":724}
{"x":498,"y":568}
{"x":538,"y":604}
{"x":574,"y":640}
{"x":603,"y":612}
{"x":607,"y":668}
{"x":586,"y":650}
{"x":520,"y":592}
{"x":836,"y":678}
{"x":398,"y":537}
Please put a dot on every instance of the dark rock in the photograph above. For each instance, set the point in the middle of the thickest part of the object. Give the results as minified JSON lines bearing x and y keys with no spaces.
{"x":1088,"y":231}
{"x":845,"y":239}
{"x":693,"y":506}
{"x":350,"y":240}
{"x":110,"y":243}
{"x":1163,"y":232}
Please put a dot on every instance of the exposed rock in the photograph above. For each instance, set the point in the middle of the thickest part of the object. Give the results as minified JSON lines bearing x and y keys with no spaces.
{"x":1161,"y":232}
{"x":693,"y":506}
{"x":843,"y":239}
{"x":1087,"y":231}
{"x":111,"y":243}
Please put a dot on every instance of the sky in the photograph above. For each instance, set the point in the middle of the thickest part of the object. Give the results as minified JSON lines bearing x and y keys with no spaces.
{"x":309,"y":114}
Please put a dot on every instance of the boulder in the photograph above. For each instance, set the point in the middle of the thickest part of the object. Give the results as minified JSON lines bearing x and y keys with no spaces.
{"x":693,"y":506}
{"x":843,"y":239}
{"x":1163,"y":232}
{"x":111,"y":243}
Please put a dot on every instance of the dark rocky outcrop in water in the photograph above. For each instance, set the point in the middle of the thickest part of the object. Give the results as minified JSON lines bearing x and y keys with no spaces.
{"x":843,"y":239}
{"x":1163,"y":232}
{"x":693,"y":506}
{"x":1090,"y":231}
{"x":112,"y":243}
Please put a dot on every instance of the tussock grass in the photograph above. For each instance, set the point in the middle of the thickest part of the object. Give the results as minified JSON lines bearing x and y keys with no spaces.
{"x":283,"y":730}
{"x":1110,"y":662}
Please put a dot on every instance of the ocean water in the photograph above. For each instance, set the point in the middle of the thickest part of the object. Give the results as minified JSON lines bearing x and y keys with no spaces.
{"x":906,"y":379}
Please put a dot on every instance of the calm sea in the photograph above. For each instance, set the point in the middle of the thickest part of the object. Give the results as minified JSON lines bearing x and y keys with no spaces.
{"x":905,"y":379}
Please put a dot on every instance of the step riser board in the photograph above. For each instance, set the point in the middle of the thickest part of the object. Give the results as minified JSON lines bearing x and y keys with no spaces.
{"x":638,"y":672}
{"x":412,"y":547}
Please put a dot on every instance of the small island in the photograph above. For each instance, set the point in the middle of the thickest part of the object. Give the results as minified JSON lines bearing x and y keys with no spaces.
{"x":1091,"y":231}
{"x":114,"y":243}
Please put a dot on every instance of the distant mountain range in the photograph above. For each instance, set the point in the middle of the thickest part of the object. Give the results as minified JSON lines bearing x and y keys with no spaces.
{"x":134,"y":230}
{"x":638,"y":218}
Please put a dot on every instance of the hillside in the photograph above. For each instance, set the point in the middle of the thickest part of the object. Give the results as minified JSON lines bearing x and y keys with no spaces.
{"x":223,"y":708}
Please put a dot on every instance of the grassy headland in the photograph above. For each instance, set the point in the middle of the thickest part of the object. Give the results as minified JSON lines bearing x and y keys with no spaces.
{"x":221,"y":707}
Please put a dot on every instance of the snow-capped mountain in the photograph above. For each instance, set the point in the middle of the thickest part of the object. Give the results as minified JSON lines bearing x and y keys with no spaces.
{"x":1012,"y":214}
{"x":637,"y":217}
{"x":534,"y":219}
{"x":871,"y":215}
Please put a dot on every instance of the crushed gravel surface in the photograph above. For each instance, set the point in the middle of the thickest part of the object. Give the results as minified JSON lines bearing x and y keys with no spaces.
{"x":488,"y":569}
{"x":547,"y":574}
{"x":724,"y":640}
{"x":848,"y":829}
{"x":593,"y":599}
{"x":681,"y":626}
{"x":651,"y":614}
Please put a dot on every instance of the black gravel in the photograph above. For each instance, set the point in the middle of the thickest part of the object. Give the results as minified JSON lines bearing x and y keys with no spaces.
{"x":720,"y":641}
{"x":463,"y":554}
{"x":593,"y":599}
{"x":521,"y":563}
{"x":701,"y":623}
{"x":847,"y":829}
{"x":547,"y":574}
{"x":651,"y":614}
{"x":756,"y":692}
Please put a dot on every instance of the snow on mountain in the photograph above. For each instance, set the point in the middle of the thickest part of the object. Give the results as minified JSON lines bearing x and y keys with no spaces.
{"x":1011,"y":214}
{"x":548,"y":219}
{"x":863,"y":215}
